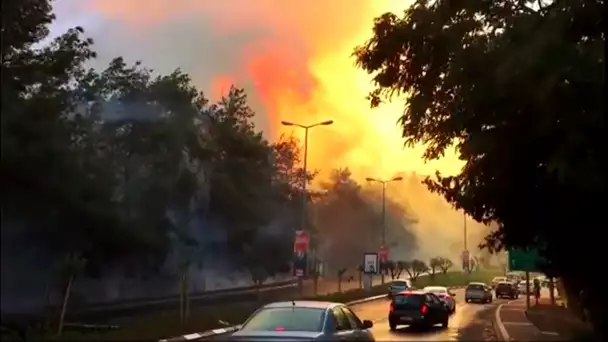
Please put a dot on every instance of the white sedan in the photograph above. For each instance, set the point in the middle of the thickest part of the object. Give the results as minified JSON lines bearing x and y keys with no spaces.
{"x":444,"y":295}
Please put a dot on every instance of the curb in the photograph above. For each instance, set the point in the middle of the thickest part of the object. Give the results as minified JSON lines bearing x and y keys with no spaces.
{"x":222,"y":331}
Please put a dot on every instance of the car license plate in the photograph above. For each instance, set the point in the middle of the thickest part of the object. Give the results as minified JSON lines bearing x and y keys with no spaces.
{"x":407,"y":319}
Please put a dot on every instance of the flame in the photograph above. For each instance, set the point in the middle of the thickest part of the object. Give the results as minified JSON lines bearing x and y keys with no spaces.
{"x":301,"y":68}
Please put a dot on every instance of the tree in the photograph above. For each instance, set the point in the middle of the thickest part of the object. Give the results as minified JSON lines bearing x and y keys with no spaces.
{"x":479,"y":74}
{"x":346,"y":220}
{"x":414,"y":268}
{"x":445,"y":264}
{"x":130,"y":157}
{"x":434,"y":265}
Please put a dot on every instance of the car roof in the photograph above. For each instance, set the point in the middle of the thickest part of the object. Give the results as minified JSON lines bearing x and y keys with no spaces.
{"x":413,"y":292}
{"x":400,"y":281}
{"x":505,"y":282}
{"x":312,"y":304}
{"x":426,"y":288}
{"x":477,"y":283}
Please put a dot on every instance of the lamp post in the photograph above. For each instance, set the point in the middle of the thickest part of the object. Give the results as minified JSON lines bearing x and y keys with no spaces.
{"x":384,"y":183}
{"x":305,"y":176}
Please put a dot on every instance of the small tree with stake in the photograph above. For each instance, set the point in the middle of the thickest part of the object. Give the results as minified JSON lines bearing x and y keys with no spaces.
{"x":445,"y":265}
{"x":69,"y":268}
{"x":360,"y":270}
{"x":434,"y":266}
{"x":340,"y":276}
{"x":415,"y":268}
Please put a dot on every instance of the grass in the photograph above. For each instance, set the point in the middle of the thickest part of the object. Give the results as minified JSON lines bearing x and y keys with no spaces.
{"x":455,"y":278}
{"x":167,"y":324}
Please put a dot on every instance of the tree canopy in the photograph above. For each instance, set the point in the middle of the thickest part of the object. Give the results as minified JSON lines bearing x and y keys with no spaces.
{"x":113,"y":162}
{"x":518,"y":88}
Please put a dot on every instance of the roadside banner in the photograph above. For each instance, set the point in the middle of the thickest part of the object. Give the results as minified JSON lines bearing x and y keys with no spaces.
{"x":300,"y":251}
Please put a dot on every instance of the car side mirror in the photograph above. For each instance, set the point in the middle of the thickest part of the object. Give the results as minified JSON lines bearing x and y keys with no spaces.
{"x":452,"y":294}
{"x":367,"y":324}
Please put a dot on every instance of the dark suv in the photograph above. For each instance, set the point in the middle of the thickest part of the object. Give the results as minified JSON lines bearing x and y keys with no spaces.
{"x":417,"y":308}
{"x":506,"y":289}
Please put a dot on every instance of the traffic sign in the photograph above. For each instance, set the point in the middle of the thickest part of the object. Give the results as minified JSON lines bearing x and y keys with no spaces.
{"x":522,"y":260}
{"x":383,"y":254}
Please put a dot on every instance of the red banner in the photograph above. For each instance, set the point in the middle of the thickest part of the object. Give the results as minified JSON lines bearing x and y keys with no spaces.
{"x":383,"y":254}
{"x":302,"y":242}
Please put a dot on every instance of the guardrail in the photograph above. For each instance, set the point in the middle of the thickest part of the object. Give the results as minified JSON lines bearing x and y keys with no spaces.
{"x":102,"y":312}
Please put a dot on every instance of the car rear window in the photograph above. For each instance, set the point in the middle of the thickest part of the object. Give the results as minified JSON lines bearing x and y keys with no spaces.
{"x":400,"y":283}
{"x":503,"y":286}
{"x":408,"y":301}
{"x":286,"y":319}
{"x":475,"y":287}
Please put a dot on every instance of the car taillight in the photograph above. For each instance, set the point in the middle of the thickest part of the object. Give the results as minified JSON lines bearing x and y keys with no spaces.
{"x":446,"y":297}
{"x":391,"y":308}
{"x":423,"y":309}
{"x":279,"y":329}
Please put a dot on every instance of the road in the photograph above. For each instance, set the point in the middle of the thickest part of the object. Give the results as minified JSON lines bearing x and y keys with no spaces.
{"x":470,"y":322}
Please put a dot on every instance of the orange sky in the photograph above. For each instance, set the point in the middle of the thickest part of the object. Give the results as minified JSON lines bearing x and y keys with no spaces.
{"x":298,"y":61}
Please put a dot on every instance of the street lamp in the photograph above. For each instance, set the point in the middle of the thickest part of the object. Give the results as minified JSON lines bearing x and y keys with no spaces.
{"x":305,"y":177}
{"x":383,"y":182}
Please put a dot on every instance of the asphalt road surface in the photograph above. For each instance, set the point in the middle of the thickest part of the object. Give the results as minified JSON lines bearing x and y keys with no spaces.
{"x":470,"y":322}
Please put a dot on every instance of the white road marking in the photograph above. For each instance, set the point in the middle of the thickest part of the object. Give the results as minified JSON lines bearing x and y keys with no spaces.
{"x":519,"y":324}
{"x":501,"y":327}
{"x":551,"y":333}
{"x":192,"y":336}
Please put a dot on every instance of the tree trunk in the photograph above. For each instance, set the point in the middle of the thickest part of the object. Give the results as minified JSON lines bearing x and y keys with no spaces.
{"x":552,"y":291}
{"x":182,"y":302}
{"x":186,"y":296}
{"x":360,"y":279}
{"x":315,"y":283}
{"x":64,"y":306}
{"x":339,"y":283}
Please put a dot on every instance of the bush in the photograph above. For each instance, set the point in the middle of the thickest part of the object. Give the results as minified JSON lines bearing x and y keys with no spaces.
{"x":455,"y":278}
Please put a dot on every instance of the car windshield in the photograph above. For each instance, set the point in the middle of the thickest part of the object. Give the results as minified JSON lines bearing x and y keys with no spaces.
{"x":400,"y":283}
{"x":440,"y":290}
{"x":285,"y":319}
{"x":475,"y":287}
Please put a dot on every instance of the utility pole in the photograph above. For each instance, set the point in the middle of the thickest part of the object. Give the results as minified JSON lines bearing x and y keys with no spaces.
{"x":383,"y":216}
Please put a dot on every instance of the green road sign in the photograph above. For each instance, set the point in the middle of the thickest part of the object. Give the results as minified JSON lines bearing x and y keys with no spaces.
{"x":522,"y":260}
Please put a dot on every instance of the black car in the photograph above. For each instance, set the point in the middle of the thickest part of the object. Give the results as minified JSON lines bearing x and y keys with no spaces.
{"x":418,"y":309}
{"x":506,"y":289}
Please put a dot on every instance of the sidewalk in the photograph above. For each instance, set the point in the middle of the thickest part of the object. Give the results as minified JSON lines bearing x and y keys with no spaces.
{"x":543,"y":322}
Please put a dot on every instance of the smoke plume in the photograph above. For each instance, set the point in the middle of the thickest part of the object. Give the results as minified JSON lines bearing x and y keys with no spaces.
{"x":294,"y":60}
